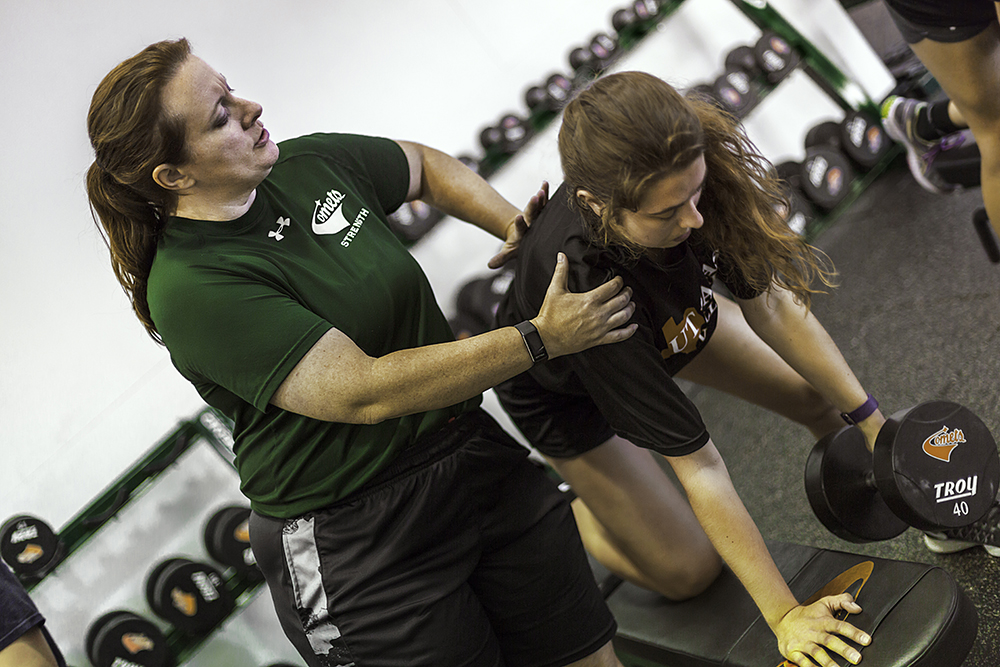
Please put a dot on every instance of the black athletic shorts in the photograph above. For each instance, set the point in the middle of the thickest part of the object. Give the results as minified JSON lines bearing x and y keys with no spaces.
{"x":561,"y":426}
{"x":945,"y":21}
{"x":462,"y":553}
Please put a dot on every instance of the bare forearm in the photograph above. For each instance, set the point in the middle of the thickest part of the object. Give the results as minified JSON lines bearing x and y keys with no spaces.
{"x":437,"y":376}
{"x":453,"y":188}
{"x":735,"y":536}
{"x":802,"y":341}
{"x":400,"y":383}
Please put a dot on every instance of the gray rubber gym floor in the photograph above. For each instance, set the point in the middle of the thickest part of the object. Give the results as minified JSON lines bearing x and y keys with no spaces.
{"x":917,"y":315}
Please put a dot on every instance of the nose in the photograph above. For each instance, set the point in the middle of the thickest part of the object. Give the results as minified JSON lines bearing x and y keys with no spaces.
{"x":251,"y":112}
{"x":690,"y":216}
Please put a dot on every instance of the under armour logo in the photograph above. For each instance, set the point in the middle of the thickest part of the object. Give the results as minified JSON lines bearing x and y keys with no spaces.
{"x":276,"y":234}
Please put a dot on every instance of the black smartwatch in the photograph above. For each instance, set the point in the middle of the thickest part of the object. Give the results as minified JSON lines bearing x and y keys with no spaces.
{"x":532,"y":341}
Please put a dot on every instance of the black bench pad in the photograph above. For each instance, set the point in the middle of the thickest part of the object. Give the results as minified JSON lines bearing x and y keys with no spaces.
{"x":916,"y":613}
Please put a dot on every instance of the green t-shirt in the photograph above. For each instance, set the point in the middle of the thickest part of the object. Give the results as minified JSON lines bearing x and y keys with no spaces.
{"x":239,"y":303}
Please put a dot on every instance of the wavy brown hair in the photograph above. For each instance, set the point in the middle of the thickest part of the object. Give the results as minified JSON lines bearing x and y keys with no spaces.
{"x":131,"y":134}
{"x":629,"y":130}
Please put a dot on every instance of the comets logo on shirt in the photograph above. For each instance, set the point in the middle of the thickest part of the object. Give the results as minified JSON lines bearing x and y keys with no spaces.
{"x":328,"y":217}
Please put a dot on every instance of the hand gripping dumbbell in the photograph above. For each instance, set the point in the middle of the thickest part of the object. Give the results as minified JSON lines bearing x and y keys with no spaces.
{"x":935,"y":466}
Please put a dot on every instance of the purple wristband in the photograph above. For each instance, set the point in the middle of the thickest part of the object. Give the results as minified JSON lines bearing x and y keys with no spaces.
{"x":862,"y":413}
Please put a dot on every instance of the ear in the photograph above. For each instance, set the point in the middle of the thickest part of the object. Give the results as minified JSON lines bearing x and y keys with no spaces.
{"x":595,"y":204}
{"x":169,"y":177}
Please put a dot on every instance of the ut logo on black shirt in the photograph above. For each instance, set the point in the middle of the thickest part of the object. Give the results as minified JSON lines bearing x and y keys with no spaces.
{"x":683,"y":337}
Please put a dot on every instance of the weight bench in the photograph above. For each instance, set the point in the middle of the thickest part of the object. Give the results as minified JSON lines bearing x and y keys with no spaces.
{"x":916,"y":614}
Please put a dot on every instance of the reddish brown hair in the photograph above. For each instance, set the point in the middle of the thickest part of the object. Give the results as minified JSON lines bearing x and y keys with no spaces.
{"x":131,"y":135}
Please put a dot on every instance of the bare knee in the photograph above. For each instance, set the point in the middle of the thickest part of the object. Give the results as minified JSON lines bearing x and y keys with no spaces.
{"x":691,"y":580}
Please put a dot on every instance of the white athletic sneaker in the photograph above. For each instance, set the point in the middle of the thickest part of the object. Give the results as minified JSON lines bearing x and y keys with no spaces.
{"x":984,"y":533}
{"x":899,"y":118}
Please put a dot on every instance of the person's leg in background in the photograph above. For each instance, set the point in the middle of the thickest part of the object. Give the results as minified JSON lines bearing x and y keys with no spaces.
{"x":968,"y":71}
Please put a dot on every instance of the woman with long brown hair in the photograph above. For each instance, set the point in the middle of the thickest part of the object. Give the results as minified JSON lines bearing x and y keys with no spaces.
{"x":669,"y":194}
{"x":388,"y":510}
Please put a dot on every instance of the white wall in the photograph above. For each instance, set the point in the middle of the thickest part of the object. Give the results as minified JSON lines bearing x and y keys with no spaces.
{"x":83,"y":391}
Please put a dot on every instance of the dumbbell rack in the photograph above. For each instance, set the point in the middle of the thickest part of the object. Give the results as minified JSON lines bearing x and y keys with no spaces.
{"x":830,"y":79}
{"x":847,"y":94}
{"x":207,"y":426}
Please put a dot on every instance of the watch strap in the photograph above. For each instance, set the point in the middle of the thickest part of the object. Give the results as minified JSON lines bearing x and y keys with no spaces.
{"x":532,"y":340}
{"x":861,"y":413}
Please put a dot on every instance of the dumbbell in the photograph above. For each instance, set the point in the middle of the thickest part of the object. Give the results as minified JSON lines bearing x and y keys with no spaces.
{"x":859,"y":136}
{"x":624,"y":20}
{"x":935,"y":466}
{"x":775,"y":56}
{"x":800,"y":210}
{"x":29,"y":546}
{"x":549,"y":97}
{"x":470,"y":162}
{"x":121,"y":638}
{"x":605,"y":50}
{"x":704,"y":92}
{"x":826,"y":173}
{"x":507,"y":136}
{"x":477,"y":302}
{"x":413,"y":219}
{"x":490,"y":136}
{"x":595,"y":57}
{"x":736,"y":90}
{"x":636,"y":17}
{"x":743,"y":58}
{"x":189,"y":595}
{"x":227,"y":540}
{"x":863,"y":139}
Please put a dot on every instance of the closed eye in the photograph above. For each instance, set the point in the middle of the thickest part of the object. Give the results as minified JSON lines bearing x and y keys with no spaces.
{"x":671,"y":213}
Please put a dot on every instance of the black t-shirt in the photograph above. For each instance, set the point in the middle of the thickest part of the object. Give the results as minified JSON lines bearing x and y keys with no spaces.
{"x":18,"y":614}
{"x":573,"y":403}
{"x":945,"y":13}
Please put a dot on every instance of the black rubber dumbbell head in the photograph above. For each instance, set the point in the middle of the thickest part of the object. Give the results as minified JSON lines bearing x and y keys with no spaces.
{"x":937,"y":466}
{"x":825,"y":133}
{"x":227,"y":540}
{"x":735,"y":90}
{"x":124,"y":638}
{"x":29,"y":546}
{"x":826,"y":177}
{"x":863,"y":139}
{"x":743,"y":58}
{"x":775,"y":56}
{"x":189,"y":595}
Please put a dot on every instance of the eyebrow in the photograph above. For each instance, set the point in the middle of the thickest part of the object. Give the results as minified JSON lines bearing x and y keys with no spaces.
{"x":671,"y":209}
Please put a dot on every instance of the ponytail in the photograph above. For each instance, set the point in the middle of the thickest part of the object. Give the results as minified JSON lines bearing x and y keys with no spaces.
{"x":131,"y":229}
{"x":131,"y":135}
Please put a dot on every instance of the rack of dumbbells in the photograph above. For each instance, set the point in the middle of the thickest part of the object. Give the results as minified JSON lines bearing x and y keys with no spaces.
{"x":840,"y":157}
{"x":187,"y":598}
